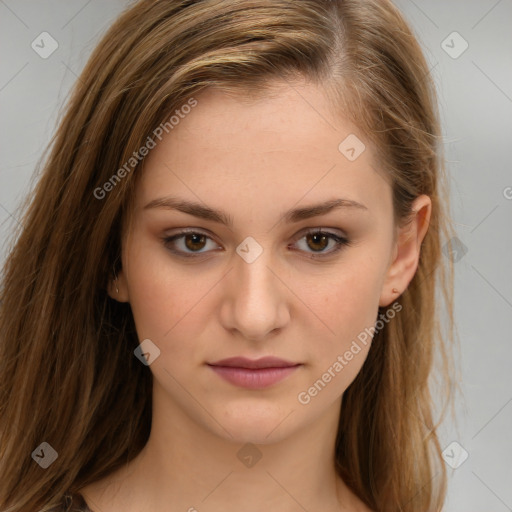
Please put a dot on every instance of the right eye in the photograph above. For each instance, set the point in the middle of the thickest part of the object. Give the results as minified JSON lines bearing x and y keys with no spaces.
{"x":187,"y":240}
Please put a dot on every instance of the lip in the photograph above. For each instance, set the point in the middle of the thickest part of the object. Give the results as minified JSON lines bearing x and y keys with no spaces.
{"x":253,"y":373}
{"x":262,"y":362}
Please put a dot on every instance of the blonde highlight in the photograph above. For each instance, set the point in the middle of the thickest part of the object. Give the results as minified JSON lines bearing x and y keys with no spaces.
{"x":55,"y":312}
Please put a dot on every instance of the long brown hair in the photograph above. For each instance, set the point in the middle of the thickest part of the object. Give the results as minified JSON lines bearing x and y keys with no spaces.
{"x":68,"y":375}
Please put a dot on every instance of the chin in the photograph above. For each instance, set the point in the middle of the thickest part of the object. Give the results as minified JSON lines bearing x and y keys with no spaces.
{"x":256,"y":425}
{"x":250,"y":434}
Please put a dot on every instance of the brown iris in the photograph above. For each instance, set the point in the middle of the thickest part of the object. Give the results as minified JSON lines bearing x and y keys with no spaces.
{"x":196,"y":239}
{"x":318,"y":239}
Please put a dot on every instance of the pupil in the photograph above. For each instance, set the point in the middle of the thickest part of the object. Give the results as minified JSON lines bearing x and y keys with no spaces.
{"x":196,"y":239}
{"x":199,"y":239}
{"x":316,"y":241}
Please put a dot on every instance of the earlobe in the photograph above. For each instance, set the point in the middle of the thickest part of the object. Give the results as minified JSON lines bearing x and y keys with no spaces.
{"x":117,"y":288}
{"x":406,"y":251}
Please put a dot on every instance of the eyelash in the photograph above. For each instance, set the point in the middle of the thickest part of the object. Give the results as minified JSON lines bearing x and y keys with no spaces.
{"x":340,"y":242}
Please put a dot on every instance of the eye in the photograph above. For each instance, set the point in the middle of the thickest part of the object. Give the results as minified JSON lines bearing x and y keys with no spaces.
{"x":187,"y":240}
{"x":319,"y":240}
{"x":192,"y":243}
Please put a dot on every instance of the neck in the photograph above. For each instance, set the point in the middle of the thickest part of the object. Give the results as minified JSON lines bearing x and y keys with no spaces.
{"x":186,"y":466}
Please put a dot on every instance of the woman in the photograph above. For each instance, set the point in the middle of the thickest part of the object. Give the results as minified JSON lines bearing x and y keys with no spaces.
{"x":224,"y":292}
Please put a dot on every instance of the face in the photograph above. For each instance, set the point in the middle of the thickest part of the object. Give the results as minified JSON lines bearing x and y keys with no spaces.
{"x":258,"y":273}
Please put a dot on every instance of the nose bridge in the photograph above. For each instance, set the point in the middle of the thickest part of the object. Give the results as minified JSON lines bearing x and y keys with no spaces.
{"x":256,"y":307}
{"x":254,"y":279}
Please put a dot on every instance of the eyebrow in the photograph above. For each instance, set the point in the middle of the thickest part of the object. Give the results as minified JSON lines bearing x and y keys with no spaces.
{"x":295,"y":215}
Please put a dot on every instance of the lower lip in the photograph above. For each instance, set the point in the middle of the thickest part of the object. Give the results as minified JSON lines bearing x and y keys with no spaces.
{"x":258,"y":378}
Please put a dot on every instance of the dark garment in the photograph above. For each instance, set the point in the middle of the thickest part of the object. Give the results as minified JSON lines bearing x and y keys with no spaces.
{"x":72,"y":502}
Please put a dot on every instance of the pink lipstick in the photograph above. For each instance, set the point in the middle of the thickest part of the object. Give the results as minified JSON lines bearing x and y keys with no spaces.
{"x":253,"y":374}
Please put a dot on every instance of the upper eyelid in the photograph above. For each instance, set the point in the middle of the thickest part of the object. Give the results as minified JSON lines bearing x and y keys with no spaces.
{"x":338,"y":238}
{"x":200,"y":231}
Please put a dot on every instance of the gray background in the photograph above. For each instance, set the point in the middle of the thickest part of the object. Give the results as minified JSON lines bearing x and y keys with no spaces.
{"x":475,"y":93}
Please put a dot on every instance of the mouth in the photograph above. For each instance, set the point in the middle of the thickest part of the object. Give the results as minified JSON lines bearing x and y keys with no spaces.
{"x":254,"y":374}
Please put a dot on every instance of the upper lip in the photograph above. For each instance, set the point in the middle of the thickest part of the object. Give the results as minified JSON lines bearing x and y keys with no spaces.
{"x":264,"y":362}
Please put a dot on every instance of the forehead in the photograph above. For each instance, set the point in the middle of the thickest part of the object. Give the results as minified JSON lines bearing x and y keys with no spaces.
{"x":273,"y":149}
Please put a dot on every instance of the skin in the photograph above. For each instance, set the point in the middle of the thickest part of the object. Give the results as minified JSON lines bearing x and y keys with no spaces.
{"x":255,"y":160}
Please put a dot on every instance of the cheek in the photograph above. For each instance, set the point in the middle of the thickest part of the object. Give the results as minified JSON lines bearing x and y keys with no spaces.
{"x":346,"y":311}
{"x":333,"y":308}
{"x":161,"y":296}
{"x":347,"y":301}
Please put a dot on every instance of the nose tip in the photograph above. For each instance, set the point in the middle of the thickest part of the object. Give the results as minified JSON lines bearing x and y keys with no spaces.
{"x":256,"y":307}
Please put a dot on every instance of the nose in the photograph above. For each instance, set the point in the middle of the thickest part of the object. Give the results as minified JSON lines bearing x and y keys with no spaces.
{"x":255,"y":303}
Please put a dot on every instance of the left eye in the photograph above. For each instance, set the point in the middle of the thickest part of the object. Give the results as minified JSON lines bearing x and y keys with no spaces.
{"x":318,"y":240}
{"x":195,"y":241}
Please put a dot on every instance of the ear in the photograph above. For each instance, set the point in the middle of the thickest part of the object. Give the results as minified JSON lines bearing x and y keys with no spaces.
{"x":406,"y":251}
{"x":117,"y":287}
